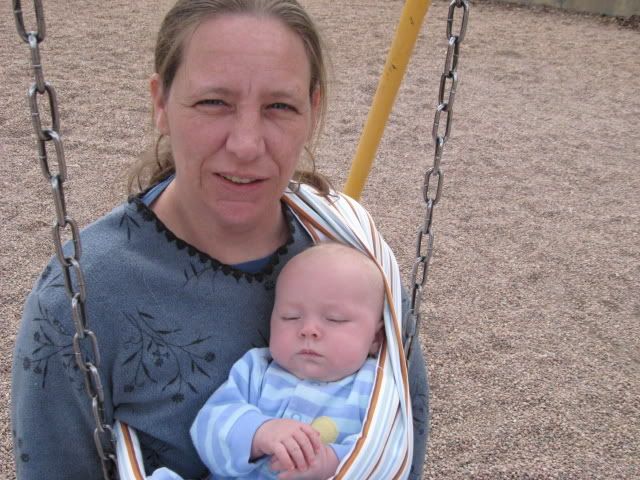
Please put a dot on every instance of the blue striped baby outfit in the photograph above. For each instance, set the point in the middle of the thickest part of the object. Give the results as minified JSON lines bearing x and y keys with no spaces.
{"x":257,"y":390}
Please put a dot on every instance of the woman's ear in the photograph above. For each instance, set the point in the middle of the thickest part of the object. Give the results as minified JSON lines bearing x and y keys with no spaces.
{"x":158,"y":99}
{"x":316,"y":98}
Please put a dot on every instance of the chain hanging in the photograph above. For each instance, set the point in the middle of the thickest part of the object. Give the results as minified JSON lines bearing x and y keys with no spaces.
{"x":103,"y":434}
{"x":434,"y":176}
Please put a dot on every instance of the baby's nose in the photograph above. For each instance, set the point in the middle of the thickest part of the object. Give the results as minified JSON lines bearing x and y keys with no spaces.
{"x":310,"y":329}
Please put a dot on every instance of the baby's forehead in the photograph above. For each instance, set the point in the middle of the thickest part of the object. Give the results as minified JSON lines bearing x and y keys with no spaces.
{"x":337,"y":257}
{"x":336,"y":253}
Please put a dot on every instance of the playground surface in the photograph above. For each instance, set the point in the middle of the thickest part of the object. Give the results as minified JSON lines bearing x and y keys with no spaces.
{"x":531,"y":321}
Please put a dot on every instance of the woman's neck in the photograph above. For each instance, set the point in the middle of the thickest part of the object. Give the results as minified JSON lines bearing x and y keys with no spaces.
{"x":230,"y":244}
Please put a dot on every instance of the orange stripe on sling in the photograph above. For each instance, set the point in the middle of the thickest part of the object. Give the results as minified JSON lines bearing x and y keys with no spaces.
{"x":131,"y":452}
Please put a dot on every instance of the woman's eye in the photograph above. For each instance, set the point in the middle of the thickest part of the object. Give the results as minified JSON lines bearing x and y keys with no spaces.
{"x":211,"y":101}
{"x":282,"y":106}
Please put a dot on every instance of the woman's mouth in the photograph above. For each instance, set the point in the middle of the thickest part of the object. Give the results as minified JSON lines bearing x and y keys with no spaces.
{"x":239,"y":180}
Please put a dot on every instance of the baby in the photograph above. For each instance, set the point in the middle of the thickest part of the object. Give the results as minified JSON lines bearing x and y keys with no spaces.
{"x":295,"y":409}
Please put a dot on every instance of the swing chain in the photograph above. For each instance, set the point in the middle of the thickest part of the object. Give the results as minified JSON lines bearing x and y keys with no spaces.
{"x":103,"y":434}
{"x":434,"y":176}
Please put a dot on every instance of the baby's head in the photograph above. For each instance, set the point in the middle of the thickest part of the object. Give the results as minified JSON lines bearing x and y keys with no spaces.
{"x":327,"y":317}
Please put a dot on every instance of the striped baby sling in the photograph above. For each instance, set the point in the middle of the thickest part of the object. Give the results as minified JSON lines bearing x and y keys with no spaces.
{"x":384,"y":450}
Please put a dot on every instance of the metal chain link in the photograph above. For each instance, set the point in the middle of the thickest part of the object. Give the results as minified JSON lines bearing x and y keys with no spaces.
{"x":84,"y":340}
{"x":434,"y":176}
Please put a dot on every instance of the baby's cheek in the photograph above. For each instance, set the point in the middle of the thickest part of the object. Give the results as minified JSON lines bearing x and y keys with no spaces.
{"x":351,"y":357}
{"x":278,"y":349}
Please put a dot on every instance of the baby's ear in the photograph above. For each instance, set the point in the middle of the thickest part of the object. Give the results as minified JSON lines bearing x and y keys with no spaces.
{"x":377,"y":340}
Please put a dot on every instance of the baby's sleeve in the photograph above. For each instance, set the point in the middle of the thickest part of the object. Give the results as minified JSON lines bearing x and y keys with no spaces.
{"x":223,"y":430}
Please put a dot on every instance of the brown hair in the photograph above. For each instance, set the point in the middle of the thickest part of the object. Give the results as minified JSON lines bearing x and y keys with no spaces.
{"x":182,"y":20}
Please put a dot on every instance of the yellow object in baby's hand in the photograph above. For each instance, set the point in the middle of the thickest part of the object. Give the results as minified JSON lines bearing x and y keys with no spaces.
{"x":327,"y":428}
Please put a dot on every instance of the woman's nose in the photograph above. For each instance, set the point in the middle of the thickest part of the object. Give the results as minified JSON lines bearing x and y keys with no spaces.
{"x":245,"y":138}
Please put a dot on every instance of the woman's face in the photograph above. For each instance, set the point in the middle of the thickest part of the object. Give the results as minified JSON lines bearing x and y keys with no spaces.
{"x":238,"y":115}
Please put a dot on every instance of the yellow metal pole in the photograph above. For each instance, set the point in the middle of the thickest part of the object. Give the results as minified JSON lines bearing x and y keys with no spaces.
{"x":413,"y":14}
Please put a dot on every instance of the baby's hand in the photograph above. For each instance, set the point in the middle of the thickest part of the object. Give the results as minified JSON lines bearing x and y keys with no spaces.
{"x":323,"y":467}
{"x":292,"y":444}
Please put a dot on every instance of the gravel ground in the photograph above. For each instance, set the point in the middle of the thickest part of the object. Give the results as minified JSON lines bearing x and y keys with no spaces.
{"x":531,"y":322}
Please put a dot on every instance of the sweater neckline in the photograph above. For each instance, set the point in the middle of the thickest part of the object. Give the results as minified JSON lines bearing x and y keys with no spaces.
{"x":149,"y":215}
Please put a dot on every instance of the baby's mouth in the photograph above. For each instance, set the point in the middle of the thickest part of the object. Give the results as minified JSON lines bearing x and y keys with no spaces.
{"x":309,"y":352}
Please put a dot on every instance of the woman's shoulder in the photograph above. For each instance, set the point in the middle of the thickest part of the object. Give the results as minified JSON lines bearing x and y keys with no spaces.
{"x":124,"y":219}
{"x":104,"y":245}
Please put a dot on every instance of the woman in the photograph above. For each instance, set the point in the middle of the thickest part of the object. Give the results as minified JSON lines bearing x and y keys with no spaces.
{"x":180,"y":278}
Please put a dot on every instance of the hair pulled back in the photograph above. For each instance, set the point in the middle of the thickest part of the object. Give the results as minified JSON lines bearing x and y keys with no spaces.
{"x":180,"y":22}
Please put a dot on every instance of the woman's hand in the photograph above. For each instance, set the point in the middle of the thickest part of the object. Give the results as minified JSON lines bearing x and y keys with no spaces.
{"x":293,"y":445}
{"x":324,"y":466}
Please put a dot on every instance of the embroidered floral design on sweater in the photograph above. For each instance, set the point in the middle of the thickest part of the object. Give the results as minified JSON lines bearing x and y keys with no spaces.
{"x":154,"y":347}
{"x":50,"y":339}
{"x":129,"y":222}
{"x":18,"y":444}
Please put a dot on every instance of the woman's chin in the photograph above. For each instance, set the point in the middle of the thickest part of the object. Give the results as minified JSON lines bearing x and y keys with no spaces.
{"x":243,"y":216}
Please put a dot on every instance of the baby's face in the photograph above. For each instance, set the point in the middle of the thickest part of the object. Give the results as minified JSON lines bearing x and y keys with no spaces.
{"x":327,"y":317}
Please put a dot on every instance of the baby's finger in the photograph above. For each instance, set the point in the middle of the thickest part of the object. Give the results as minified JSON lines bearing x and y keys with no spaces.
{"x":276,"y":466}
{"x":281,"y":453}
{"x":296,"y":452}
{"x":314,"y":437}
{"x":305,"y":440}
{"x":289,"y":475}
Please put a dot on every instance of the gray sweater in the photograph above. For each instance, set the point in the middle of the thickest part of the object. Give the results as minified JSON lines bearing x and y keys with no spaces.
{"x":170,"y":322}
